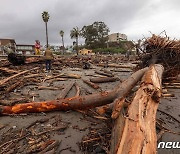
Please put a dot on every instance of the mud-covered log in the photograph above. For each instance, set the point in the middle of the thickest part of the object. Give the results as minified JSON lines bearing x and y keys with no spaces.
{"x":104,"y":79}
{"x":138,"y":134}
{"x":81,"y":102}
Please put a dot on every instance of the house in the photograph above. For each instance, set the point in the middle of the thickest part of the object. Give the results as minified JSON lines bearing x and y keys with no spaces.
{"x":19,"y":48}
{"x":116,"y":37}
{"x":25,"y":49}
{"x":7,"y":43}
{"x":85,"y":52}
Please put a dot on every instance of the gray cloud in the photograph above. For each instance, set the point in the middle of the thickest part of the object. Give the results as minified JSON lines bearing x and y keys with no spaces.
{"x":22,"y":20}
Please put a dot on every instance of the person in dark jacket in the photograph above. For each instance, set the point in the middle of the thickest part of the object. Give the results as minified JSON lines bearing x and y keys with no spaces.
{"x":48,"y":55}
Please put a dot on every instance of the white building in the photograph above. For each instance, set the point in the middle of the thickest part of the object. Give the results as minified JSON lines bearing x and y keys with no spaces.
{"x":116,"y":37}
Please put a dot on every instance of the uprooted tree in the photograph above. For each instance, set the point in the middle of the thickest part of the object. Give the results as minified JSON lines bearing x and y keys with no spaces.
{"x":161,"y":50}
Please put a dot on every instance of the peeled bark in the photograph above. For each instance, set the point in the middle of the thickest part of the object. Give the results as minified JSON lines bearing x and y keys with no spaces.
{"x":138,"y":134}
{"x":81,"y":102}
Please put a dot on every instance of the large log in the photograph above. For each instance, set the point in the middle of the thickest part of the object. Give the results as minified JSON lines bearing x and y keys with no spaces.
{"x":138,"y":134}
{"x":80,"y":102}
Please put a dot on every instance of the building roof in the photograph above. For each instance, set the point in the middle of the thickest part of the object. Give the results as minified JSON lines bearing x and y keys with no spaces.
{"x":6,"y":41}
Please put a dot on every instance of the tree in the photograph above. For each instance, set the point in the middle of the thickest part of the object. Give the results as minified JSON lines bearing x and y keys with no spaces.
{"x":45,"y":17}
{"x":62,"y":36}
{"x":96,"y":35}
{"x":75,"y":33}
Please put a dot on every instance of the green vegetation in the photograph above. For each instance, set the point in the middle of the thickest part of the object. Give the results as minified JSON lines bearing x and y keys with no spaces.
{"x":74,"y":34}
{"x":95,"y":35}
{"x":45,"y":17}
{"x":62,"y":36}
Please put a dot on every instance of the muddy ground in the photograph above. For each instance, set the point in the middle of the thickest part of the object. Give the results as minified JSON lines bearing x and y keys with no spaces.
{"x":75,"y":124}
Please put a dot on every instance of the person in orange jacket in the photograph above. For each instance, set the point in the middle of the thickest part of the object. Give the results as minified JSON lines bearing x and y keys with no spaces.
{"x":37,"y":47}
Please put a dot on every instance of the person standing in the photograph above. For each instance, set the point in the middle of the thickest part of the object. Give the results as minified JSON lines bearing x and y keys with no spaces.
{"x":37,"y":47}
{"x":48,"y":59}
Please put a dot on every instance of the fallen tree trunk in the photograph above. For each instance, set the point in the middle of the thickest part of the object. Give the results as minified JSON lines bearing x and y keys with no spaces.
{"x":138,"y":134}
{"x":81,"y":102}
{"x":104,"y":79}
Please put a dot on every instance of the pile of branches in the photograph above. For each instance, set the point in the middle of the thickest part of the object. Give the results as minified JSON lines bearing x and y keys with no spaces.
{"x":162,"y":50}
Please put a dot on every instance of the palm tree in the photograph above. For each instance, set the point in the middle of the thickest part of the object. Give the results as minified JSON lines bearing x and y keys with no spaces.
{"x":45,"y":17}
{"x":62,"y":35}
{"x":75,"y":33}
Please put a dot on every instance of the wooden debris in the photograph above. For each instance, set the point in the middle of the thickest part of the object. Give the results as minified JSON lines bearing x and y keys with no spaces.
{"x":103,"y":73}
{"x":81,"y":102}
{"x":95,"y":86}
{"x":77,"y":89}
{"x":118,"y":105}
{"x":13,"y":86}
{"x":168,"y":95}
{"x":139,"y":130}
{"x":160,"y":49}
{"x":49,"y":88}
{"x":2,"y":82}
{"x":7,"y":70}
{"x":69,"y":75}
{"x":104,"y":79}
{"x":65,"y":91}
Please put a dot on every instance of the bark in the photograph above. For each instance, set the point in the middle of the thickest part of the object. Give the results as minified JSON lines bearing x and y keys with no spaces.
{"x":95,"y":86}
{"x":138,"y":134}
{"x":104,"y":79}
{"x":118,"y":105}
{"x":81,"y":102}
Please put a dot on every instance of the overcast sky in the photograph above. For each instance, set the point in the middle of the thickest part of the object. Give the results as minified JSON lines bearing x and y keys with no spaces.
{"x":21,"y":19}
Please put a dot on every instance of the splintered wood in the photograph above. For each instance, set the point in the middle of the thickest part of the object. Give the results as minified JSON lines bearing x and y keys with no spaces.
{"x":138,"y":134}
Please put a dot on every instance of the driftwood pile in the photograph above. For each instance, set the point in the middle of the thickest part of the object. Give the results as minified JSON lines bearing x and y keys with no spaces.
{"x":34,"y":138}
{"x":135,"y":116}
{"x":161,"y":50}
